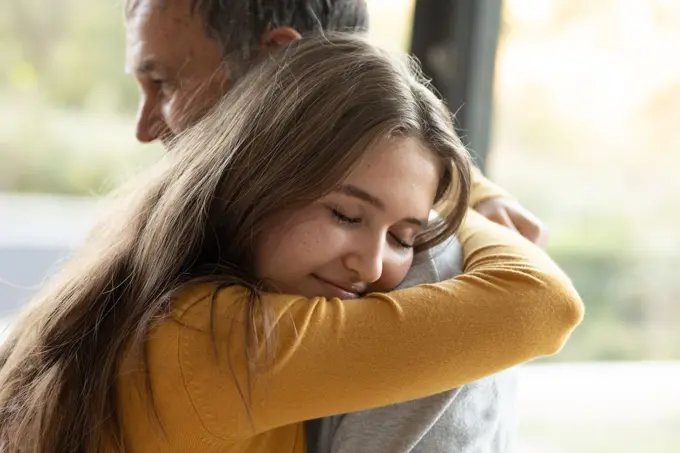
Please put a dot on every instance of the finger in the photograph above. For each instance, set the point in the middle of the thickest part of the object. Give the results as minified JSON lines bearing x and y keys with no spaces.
{"x":501,"y":217}
{"x":528,"y":225}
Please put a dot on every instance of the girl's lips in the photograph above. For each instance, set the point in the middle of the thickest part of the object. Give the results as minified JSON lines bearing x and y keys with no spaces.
{"x":337,"y":290}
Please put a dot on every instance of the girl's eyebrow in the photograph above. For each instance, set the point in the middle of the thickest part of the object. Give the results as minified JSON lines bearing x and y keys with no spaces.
{"x":361,"y":194}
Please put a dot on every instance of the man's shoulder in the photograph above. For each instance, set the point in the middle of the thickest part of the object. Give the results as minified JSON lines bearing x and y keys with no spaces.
{"x":439,"y":263}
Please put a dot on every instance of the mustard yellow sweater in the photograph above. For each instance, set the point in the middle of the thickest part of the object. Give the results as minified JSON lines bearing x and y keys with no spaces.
{"x":511,"y":305}
{"x":483,"y":189}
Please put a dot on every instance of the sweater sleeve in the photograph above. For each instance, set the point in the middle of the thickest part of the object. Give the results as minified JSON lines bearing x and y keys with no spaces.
{"x":512,"y":304}
{"x":483,"y":189}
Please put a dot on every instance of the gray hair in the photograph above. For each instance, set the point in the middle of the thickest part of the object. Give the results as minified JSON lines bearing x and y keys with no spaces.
{"x":239,"y":24}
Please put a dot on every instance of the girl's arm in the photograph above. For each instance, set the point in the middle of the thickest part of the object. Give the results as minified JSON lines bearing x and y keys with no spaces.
{"x":512,"y":304}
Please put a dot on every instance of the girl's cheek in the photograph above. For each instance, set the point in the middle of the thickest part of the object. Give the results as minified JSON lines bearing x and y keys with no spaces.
{"x":393,"y":274}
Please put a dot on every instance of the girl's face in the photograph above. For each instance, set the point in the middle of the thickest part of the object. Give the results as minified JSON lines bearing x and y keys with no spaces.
{"x":360,"y":237}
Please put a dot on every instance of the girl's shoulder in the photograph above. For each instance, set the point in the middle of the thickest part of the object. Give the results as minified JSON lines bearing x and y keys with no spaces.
{"x":198,"y":305}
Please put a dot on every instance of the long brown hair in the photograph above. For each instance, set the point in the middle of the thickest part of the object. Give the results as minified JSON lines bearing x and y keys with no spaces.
{"x":287,"y":134}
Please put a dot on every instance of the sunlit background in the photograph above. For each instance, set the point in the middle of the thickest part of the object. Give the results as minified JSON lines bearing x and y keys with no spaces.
{"x":586,"y":134}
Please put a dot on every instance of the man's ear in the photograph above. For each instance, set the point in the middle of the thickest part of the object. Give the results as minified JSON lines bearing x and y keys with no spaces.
{"x":277,"y":37}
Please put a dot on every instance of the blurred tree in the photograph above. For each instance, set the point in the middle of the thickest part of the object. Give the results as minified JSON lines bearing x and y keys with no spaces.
{"x":37,"y":24}
{"x":69,"y":51}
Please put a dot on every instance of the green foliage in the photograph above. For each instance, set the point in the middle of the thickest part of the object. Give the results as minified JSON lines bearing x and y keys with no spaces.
{"x":67,"y":151}
{"x":630,"y":309}
{"x":69,"y":52}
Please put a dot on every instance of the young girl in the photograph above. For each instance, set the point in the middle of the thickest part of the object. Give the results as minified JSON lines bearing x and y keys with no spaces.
{"x":234,"y":291}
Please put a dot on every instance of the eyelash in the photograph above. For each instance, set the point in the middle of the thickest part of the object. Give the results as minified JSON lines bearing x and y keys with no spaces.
{"x":400,"y":243}
{"x":161,"y":85}
{"x":341,"y":218}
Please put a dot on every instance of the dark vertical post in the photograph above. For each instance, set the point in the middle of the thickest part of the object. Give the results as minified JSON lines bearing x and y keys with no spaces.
{"x":456,"y":42}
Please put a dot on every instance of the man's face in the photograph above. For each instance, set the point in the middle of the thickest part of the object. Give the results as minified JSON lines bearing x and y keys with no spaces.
{"x":179,"y":69}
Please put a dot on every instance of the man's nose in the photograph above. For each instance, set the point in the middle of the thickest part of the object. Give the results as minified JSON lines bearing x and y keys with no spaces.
{"x":150,"y":124}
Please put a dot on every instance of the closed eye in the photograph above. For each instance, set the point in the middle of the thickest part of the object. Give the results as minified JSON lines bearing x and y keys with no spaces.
{"x":400,"y":243}
{"x":163,"y":86}
{"x":342,"y":218}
